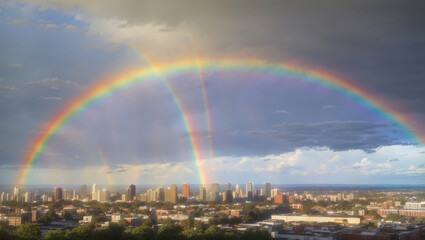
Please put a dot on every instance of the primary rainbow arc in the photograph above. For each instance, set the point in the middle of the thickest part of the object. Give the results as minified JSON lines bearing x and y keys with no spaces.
{"x":105,"y":89}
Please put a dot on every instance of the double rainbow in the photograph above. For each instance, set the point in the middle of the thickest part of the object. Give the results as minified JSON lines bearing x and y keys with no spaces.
{"x":101,"y":91}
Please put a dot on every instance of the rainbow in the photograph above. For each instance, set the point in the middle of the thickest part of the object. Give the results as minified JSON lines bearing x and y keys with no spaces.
{"x":101,"y":91}
{"x":102,"y":158}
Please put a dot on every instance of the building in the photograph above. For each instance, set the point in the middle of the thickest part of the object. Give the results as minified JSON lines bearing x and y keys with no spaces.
{"x":274,"y":192}
{"x":228,"y":196}
{"x":35,"y":215}
{"x":132,"y":191}
{"x":250,"y":191}
{"x":27,"y":197}
{"x":214,"y":192}
{"x":186,"y":190}
{"x":228,"y":187}
{"x":267,"y":190}
{"x":202,"y":194}
{"x":279,"y":199}
{"x":161,"y":194}
{"x":16,"y":221}
{"x":83,"y":190}
{"x":58,"y":194}
{"x":173,"y":193}
{"x":319,"y":219}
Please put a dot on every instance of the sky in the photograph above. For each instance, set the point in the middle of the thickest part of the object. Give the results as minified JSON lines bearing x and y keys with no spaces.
{"x":255,"y":126}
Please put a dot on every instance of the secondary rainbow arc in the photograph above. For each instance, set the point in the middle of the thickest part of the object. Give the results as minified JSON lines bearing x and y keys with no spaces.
{"x":320,"y":78}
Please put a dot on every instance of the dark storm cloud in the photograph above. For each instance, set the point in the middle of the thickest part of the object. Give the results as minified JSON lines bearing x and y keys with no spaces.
{"x":334,"y":135}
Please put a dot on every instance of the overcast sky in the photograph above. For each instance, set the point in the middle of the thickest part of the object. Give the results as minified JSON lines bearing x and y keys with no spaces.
{"x":266,"y":128}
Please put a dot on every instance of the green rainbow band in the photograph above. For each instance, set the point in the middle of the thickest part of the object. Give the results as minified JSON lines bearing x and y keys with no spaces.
{"x":98,"y":92}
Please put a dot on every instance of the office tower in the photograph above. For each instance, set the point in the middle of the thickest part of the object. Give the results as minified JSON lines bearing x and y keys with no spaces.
{"x":228,"y":196}
{"x":124,"y":197}
{"x":202,"y":194}
{"x":104,"y":196}
{"x":274,"y":192}
{"x":132,"y":192}
{"x":64,"y":192}
{"x":94,"y":196}
{"x":161,"y":194}
{"x":74,"y":194}
{"x":267,"y":190}
{"x":58,"y":194}
{"x":98,"y":195}
{"x":279,"y":199}
{"x":249,"y":191}
{"x":186,"y":190}
{"x":228,"y":187}
{"x":214,"y":192}
{"x":83,"y":190}
{"x":27,"y":197}
{"x":2,"y":197}
{"x":173,"y":193}
{"x":238,"y":191}
{"x":167,"y":194}
{"x":94,"y":188}
{"x":16,"y":191}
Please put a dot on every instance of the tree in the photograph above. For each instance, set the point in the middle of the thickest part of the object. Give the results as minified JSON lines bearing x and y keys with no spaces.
{"x":79,"y":233}
{"x":149,"y":222}
{"x":29,"y":231}
{"x":261,"y":233}
{"x":48,"y":217}
{"x":213,"y":233}
{"x":113,"y":232}
{"x":170,"y":232}
{"x":191,"y":234}
{"x":99,"y":219}
{"x":143,"y":233}
{"x":187,"y":223}
{"x":4,"y":234}
{"x":55,"y":235}
{"x":123,"y":222}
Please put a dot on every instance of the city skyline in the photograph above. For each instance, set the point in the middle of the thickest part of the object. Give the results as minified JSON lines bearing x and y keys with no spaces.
{"x":148,"y":92}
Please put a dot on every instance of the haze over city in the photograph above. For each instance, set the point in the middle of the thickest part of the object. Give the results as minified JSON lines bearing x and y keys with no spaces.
{"x":161,"y":92}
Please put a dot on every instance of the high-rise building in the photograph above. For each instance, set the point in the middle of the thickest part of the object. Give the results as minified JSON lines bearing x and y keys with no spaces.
{"x":214,"y":192}
{"x":228,"y":187}
{"x":161,"y":194}
{"x":58,"y":194}
{"x":274,"y":192}
{"x":267,"y":190}
{"x":228,"y":196}
{"x":250,"y":191}
{"x":167,"y":195}
{"x":16,"y":191}
{"x":186,"y":190}
{"x":279,"y":199}
{"x":27,"y":197}
{"x":74,"y":194}
{"x":132,"y":192}
{"x":202,"y":194}
{"x":83,"y":190}
{"x":238,"y":191}
{"x":94,"y":188}
{"x":104,"y":196}
{"x":173,"y":193}
{"x":2,"y":197}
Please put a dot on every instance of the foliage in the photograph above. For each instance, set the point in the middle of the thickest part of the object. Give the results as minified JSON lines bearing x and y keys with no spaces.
{"x":55,"y":235}
{"x":29,"y":231}
{"x":79,"y":233}
{"x":48,"y":217}
{"x":395,"y":218}
{"x":143,"y":233}
{"x":113,"y":232}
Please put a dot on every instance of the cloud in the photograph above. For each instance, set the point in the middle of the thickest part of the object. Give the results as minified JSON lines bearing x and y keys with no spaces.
{"x":55,"y":83}
{"x":15,"y":65}
{"x":71,"y":28}
{"x":282,"y":111}
{"x":394,"y":160}
{"x":334,"y":159}
{"x":52,"y":98}
{"x":1,"y":79}
{"x":49,"y":27}
{"x":8,"y":88}
{"x":21,"y":22}
{"x":328,"y":107}
{"x":335,"y":135}
{"x":363,"y":163}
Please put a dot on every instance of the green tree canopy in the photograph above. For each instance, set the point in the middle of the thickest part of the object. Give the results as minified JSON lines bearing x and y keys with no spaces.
{"x":29,"y":231}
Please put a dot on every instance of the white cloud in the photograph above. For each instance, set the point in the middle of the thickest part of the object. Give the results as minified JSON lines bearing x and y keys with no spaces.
{"x":21,"y":22}
{"x":328,"y":107}
{"x":334,"y":159}
{"x":15,"y":65}
{"x":55,"y":83}
{"x":51,"y":98}
{"x":363,"y":163}
{"x":8,"y":88}
{"x":49,"y":27}
{"x":71,"y":28}
{"x":282,"y":111}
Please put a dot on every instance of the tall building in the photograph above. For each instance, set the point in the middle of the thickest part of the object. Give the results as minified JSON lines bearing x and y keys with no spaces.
{"x":186,"y":190}
{"x":238,"y":191}
{"x":228,"y":187}
{"x":94,"y":188}
{"x":2,"y":197}
{"x":228,"y":196}
{"x":83,"y":190}
{"x":250,"y":191}
{"x":132,"y":192}
{"x":167,"y":195}
{"x":27,"y":197}
{"x":214,"y":192}
{"x":161,"y":194}
{"x":58,"y":194}
{"x":202,"y":194}
{"x":274,"y":192}
{"x":104,"y":196}
{"x":267,"y":190}
{"x":16,"y":191}
{"x":173,"y":193}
